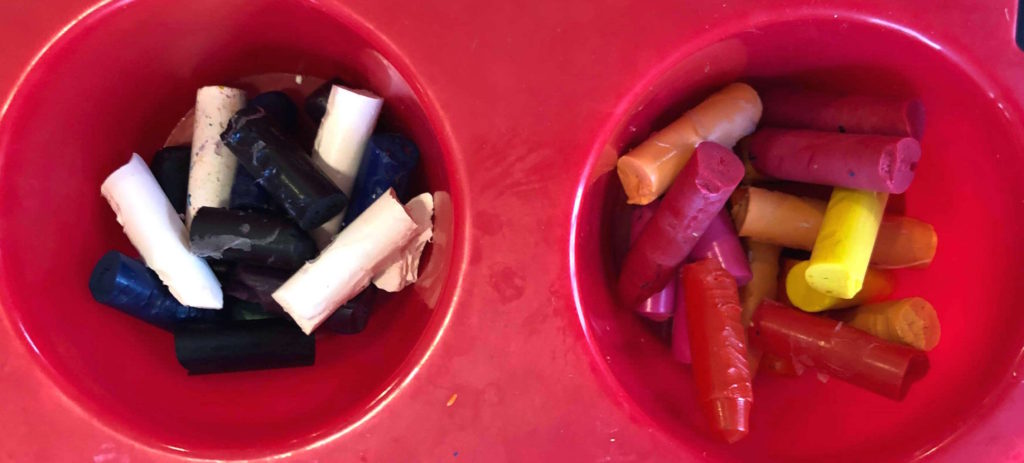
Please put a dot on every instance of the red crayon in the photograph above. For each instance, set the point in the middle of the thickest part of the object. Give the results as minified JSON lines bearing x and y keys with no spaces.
{"x":718,"y":344}
{"x":863,"y":162}
{"x":836,"y":349}
{"x":808,"y":109}
{"x":697,"y":195}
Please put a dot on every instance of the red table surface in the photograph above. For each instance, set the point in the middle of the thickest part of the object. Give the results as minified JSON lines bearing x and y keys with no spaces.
{"x":546,"y":77}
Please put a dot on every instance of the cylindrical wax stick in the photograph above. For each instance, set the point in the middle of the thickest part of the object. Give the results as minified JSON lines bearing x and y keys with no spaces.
{"x":243,"y":345}
{"x":662,"y":304}
{"x":793,"y":222}
{"x":778,"y":365}
{"x":283,"y":169}
{"x":241,"y":309}
{"x":404,"y":267}
{"x":346,"y":266}
{"x":904,"y":242}
{"x":213,"y":167}
{"x":786,"y":266}
{"x":845,"y":241}
{"x":724,"y":117}
{"x":742,"y":149}
{"x":680,"y":325}
{"x":341,"y":142}
{"x":809,"y":109}
{"x":864,"y":162}
{"x":878,"y":284}
{"x":254,"y":238}
{"x":387,"y":163}
{"x":257,"y":284}
{"x":247,"y":195}
{"x":127,"y":285}
{"x":353,"y":316}
{"x":838,"y":350}
{"x":720,"y":242}
{"x":157,"y":232}
{"x":911,"y":321}
{"x":718,"y":343}
{"x":316,"y":102}
{"x":696,"y":196}
{"x":280,"y":108}
{"x":170,"y":167}
{"x":764,"y":282}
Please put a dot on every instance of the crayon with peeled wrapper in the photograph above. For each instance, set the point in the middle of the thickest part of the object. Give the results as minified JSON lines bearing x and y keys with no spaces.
{"x":911,"y":321}
{"x":696,"y":197}
{"x":793,"y":222}
{"x":661,"y":305}
{"x":720,"y":242}
{"x":863,"y":162}
{"x":647,"y":171}
{"x":842,"y":250}
{"x":764,"y":281}
{"x":878,"y":284}
{"x":811,"y":109}
{"x":841,"y":351}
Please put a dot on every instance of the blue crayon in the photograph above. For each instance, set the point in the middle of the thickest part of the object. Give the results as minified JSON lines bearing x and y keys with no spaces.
{"x":353,"y":316}
{"x":127,"y":285}
{"x":387,"y":163}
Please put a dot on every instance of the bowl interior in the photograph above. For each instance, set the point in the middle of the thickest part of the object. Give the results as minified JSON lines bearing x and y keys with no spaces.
{"x":118,"y":82}
{"x":967,"y":186}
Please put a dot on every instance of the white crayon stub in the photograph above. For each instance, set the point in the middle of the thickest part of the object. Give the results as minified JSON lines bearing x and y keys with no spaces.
{"x":340,"y":142}
{"x":346,"y":266}
{"x":212,"y":166}
{"x":156,"y":231}
{"x":404,"y":267}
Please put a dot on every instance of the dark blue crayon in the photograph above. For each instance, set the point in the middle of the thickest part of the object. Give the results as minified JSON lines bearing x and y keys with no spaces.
{"x":388,"y":161}
{"x":126,"y":284}
{"x":280,"y":107}
{"x":170,"y":167}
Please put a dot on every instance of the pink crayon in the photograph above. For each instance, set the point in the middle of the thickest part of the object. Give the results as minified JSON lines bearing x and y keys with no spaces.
{"x":808,"y":109}
{"x":863,"y":162}
{"x":688,"y":207}
{"x":721,"y":243}
{"x":680,"y":329}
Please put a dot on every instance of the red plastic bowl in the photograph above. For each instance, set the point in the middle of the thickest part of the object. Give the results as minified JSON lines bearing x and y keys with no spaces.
{"x":81,"y":111}
{"x":520,"y":110}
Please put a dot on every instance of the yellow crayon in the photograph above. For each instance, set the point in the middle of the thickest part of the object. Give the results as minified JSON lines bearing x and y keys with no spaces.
{"x":843,"y":248}
{"x":878,"y":284}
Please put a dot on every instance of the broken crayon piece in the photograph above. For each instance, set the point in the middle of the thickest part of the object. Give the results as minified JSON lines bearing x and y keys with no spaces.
{"x":250,"y":237}
{"x":696,"y":197}
{"x":840,"y":351}
{"x":281,"y":167}
{"x":863,"y":162}
{"x":648,"y":170}
{"x":718,"y":344}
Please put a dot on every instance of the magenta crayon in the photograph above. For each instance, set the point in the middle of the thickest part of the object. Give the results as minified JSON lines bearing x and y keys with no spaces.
{"x":810,"y":109}
{"x":661,"y":305}
{"x":721,"y":243}
{"x":694,"y":199}
{"x":862,"y":162}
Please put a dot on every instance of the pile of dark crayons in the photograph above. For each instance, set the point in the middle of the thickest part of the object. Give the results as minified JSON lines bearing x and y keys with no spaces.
{"x":249,"y":243}
{"x":731,"y":314}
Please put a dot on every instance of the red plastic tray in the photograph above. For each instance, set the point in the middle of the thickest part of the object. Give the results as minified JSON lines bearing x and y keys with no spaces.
{"x":512,"y":350}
